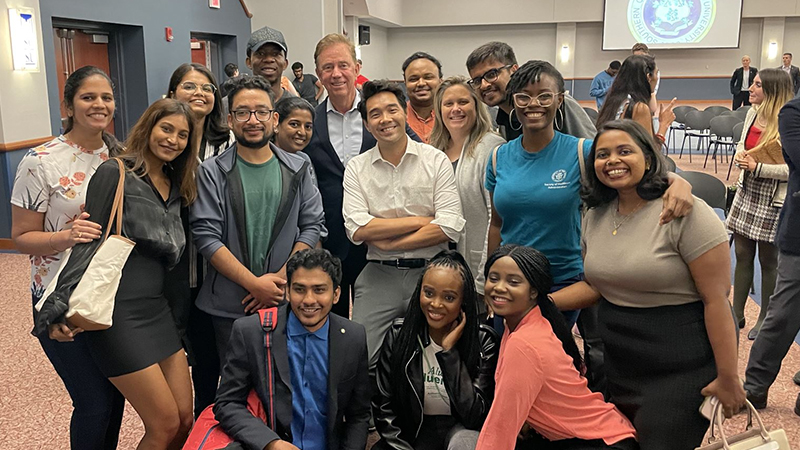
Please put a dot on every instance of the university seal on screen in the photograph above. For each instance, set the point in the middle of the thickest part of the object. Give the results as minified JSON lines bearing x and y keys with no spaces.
{"x":671,"y":21}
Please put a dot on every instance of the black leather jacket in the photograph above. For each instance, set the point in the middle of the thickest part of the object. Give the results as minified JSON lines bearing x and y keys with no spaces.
{"x":470,"y":399}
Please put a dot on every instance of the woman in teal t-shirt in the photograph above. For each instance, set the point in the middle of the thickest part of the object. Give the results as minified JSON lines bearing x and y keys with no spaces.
{"x":534,"y":181}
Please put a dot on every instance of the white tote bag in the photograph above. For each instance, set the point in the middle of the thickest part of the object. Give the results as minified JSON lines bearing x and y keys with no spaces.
{"x":758,"y":438}
{"x":91,"y":305}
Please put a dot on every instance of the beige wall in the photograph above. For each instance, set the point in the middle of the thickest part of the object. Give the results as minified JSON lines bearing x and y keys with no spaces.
{"x":24,"y":106}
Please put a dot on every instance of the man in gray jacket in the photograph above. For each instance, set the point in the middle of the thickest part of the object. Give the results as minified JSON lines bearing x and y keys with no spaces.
{"x":256,"y":206}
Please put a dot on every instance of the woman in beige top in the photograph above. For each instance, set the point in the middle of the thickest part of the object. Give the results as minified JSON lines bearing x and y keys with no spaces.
{"x":665,"y":319}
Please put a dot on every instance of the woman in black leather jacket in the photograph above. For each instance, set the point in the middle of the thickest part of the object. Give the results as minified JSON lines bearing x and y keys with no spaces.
{"x":436,"y":370}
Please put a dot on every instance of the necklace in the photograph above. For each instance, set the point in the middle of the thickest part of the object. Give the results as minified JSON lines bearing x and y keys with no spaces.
{"x":625,"y":218}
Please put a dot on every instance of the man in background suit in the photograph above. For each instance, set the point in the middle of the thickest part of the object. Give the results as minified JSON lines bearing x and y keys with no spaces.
{"x":320,"y":383}
{"x":339,"y":135}
{"x":741,"y":80}
{"x":793,"y":71}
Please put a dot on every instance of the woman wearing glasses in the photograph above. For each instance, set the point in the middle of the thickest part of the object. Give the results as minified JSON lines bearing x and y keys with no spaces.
{"x":534,"y":181}
{"x":194,"y":84}
{"x":629,"y":97}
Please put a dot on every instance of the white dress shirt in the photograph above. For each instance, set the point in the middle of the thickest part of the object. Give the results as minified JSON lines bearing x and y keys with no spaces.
{"x":345,"y":130}
{"x":422,"y":185}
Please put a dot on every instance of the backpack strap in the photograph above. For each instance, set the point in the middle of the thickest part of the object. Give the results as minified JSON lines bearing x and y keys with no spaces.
{"x":494,"y":160}
{"x":581,"y":161}
{"x":269,"y":321}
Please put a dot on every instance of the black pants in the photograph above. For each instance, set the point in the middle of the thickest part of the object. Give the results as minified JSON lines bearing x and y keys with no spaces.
{"x":351,"y":268}
{"x":203,"y":357}
{"x":742,"y":98}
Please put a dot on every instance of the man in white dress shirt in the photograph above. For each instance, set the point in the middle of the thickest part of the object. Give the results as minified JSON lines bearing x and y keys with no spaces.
{"x":400,"y":199}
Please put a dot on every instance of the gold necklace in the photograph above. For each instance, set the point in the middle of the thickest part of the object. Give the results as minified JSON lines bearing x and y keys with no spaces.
{"x":624,"y":219}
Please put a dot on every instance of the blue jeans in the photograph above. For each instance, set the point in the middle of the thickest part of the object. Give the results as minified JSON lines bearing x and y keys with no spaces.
{"x":97,"y":404}
{"x":569,"y":316}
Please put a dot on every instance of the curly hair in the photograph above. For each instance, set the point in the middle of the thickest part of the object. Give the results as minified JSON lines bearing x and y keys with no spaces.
{"x":315,"y":258}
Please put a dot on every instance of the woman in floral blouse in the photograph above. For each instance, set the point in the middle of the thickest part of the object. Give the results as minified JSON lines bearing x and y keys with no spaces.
{"x":47,"y":219}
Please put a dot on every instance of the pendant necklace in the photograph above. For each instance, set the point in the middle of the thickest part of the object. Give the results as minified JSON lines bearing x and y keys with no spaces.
{"x":625,"y":218}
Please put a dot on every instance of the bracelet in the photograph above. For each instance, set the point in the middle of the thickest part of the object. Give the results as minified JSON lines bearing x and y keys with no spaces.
{"x":661,"y":137}
{"x":50,"y":241}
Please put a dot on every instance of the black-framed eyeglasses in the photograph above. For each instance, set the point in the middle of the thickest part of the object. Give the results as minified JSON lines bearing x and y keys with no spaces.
{"x":545,"y":99}
{"x":490,"y":76}
{"x":191,"y":86}
{"x":243,"y":115}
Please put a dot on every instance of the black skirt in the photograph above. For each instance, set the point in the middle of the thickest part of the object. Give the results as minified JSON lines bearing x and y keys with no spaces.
{"x":657,"y":362}
{"x":143,"y":331}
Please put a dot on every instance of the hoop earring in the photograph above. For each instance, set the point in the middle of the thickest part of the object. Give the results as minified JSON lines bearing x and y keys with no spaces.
{"x":511,"y":116}
{"x":559,"y":126}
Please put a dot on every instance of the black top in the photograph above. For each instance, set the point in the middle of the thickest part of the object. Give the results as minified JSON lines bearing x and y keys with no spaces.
{"x":788,"y":238}
{"x":152,"y":223}
{"x":307,"y":88}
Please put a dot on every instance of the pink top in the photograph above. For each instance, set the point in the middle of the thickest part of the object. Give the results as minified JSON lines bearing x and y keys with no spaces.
{"x":538,"y":384}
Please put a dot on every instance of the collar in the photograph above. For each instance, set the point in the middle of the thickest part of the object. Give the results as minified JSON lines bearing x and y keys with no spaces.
{"x":411,"y":149}
{"x":295,"y":328}
{"x":329,"y":106}
{"x":413,"y":111}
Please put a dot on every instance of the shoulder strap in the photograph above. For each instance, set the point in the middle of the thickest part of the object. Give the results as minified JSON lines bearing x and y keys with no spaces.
{"x":494,"y":160}
{"x":581,"y":162}
{"x":116,"y":207}
{"x":269,"y":321}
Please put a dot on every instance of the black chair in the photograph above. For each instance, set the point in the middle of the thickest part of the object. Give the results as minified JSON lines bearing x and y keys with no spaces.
{"x":670,"y":164}
{"x":717,"y":110}
{"x":737,"y":136}
{"x":722,"y":129}
{"x":679,"y":123}
{"x":744,"y":108}
{"x":591,"y":112}
{"x":697,"y":126}
{"x":706,"y":187}
{"x":740,"y":113}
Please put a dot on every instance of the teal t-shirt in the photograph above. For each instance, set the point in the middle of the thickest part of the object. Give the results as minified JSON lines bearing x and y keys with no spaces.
{"x":538,"y":197}
{"x":261,"y":184}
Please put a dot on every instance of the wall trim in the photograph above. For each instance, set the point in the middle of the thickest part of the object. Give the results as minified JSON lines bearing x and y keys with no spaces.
{"x":19,"y":145}
{"x":7,"y":244}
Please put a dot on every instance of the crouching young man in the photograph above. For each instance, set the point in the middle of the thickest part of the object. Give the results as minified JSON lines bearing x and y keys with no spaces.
{"x":321,"y":383}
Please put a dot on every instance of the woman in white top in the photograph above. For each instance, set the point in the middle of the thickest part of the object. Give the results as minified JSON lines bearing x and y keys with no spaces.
{"x":463,"y":130}
{"x":47,"y":219}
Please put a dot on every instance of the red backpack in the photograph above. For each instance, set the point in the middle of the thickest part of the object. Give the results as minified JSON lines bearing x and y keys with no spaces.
{"x":206,"y":433}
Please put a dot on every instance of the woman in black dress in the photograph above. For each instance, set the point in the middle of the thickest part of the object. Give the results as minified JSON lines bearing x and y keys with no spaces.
{"x":141,"y":353}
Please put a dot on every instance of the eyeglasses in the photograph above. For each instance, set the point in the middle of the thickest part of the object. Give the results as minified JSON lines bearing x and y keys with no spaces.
{"x":490,"y":76}
{"x":522,"y":100}
{"x":191,"y":86}
{"x":243,"y":115}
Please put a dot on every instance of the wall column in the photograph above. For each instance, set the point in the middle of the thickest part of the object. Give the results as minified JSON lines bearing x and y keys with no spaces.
{"x":771,"y":31}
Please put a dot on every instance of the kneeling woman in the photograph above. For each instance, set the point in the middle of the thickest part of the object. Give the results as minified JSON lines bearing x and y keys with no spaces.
{"x":540,"y":387}
{"x":436,"y":370}
{"x":141,"y":352}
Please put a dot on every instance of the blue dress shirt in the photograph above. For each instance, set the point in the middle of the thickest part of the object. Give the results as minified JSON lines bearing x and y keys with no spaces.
{"x":600,"y":86}
{"x":308,"y":368}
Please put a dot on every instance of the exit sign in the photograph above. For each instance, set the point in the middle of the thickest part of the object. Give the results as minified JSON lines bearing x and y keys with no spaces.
{"x":213,"y":4}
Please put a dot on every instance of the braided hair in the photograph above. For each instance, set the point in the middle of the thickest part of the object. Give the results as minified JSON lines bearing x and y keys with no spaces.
{"x":415,"y":324}
{"x":536,"y":269}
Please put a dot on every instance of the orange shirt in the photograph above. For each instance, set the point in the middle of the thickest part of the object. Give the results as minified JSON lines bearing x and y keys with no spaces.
{"x":422,"y":127}
{"x":537,"y":383}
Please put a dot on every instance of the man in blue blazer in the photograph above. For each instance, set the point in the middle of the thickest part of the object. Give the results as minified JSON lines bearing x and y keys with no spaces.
{"x":321,"y":390}
{"x":339,"y":135}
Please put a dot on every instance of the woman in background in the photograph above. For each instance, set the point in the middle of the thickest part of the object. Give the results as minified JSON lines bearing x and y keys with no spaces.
{"x":194,"y":84}
{"x":630,"y":95}
{"x":48,"y":217}
{"x":753,"y":217}
{"x":463,"y":130}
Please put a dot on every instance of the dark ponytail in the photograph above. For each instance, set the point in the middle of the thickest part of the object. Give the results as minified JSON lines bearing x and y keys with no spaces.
{"x":536,"y":268}
{"x":71,"y":86}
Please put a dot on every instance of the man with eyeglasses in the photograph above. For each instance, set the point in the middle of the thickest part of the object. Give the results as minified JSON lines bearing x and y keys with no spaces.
{"x":266,"y":56}
{"x":256,"y":205}
{"x":490,"y":66}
